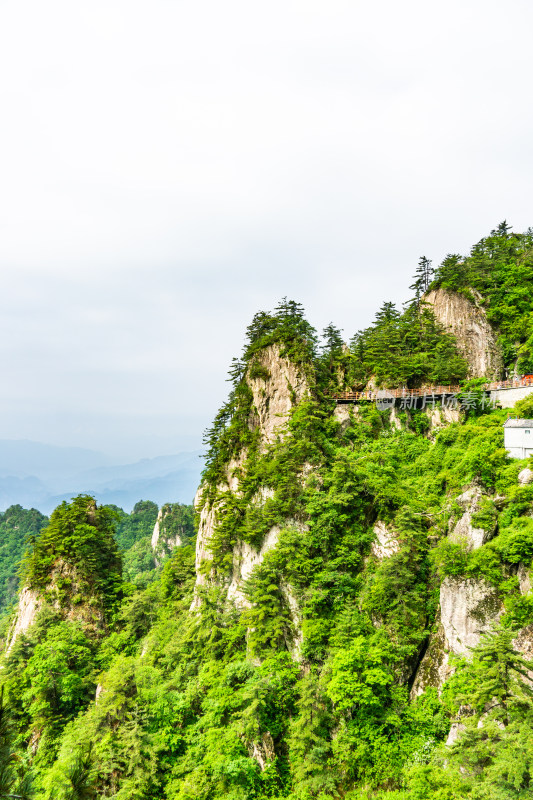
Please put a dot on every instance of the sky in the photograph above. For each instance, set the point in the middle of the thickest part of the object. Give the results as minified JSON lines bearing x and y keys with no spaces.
{"x":168,"y":168}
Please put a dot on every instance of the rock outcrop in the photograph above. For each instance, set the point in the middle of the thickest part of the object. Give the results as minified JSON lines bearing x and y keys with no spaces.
{"x":385,"y":543}
{"x":469,"y":608}
{"x":467,"y":321}
{"x":29,"y":605}
{"x":245,"y":558}
{"x":525,"y":477}
{"x":64,"y":594}
{"x":166,"y":536}
{"x":277,"y":385}
{"x":463,"y":530}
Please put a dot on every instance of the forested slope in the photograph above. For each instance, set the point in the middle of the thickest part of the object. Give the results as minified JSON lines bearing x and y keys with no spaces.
{"x":356,"y":619}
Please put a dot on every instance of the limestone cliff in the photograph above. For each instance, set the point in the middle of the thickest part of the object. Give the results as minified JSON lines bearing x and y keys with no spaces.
{"x":73,"y":570}
{"x":469,"y":607}
{"x":277,"y":385}
{"x":64,"y":594}
{"x":467,"y":321}
{"x":173,"y":527}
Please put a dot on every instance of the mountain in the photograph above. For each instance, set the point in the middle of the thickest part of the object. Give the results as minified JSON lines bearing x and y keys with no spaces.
{"x":24,"y":458}
{"x":36,"y":475}
{"x":356,"y":617}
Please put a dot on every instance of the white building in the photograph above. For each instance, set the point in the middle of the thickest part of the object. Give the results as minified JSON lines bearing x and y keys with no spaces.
{"x":518,"y":437}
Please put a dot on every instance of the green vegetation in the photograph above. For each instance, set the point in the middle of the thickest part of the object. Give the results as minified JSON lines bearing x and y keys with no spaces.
{"x":138,"y":525}
{"x":500,"y":269}
{"x":406,"y":349}
{"x":302,"y":691}
{"x":76,"y":554}
{"x":16,"y":525}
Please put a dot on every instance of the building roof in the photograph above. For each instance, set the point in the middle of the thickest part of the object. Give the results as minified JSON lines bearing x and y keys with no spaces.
{"x":518,"y":423}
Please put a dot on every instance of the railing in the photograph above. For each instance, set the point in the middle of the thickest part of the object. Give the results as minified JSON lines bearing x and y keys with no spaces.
{"x":425,"y":391}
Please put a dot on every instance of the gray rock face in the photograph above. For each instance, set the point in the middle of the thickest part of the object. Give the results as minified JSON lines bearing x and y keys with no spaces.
{"x":342,"y":414}
{"x":525,"y":476}
{"x":163,"y":542}
{"x":277,"y":385}
{"x":524,"y":579}
{"x":385,"y":543}
{"x":274,"y":394}
{"x":434,"y":668}
{"x":29,"y":606}
{"x":88,"y":613}
{"x":469,"y":608}
{"x":463,"y":530}
{"x":263,"y":750}
{"x":456,"y":730}
{"x":468,"y":323}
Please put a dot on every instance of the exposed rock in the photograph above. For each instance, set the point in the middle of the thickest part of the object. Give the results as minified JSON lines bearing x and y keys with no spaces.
{"x":469,"y":608}
{"x":343,"y":414}
{"x":65,"y":593}
{"x":525,"y":476}
{"x":245,"y":558}
{"x":99,"y":692}
{"x":386,"y":543}
{"x":523,"y":642}
{"x":455,"y":731}
{"x":263,"y":751}
{"x":468,"y":322}
{"x":463,"y":530}
{"x":208,"y":518}
{"x":164,"y":539}
{"x":29,"y":606}
{"x":394,"y":420}
{"x":439,"y":417}
{"x":281,"y":386}
{"x":524,"y":578}
{"x":295,"y":646}
{"x":434,"y":668}
{"x":277,"y":385}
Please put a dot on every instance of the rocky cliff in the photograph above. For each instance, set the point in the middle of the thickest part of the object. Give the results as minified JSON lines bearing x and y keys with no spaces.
{"x":74,"y":570}
{"x":174,"y":526}
{"x":276,"y":385}
{"x":466,"y":320}
{"x":469,"y":607}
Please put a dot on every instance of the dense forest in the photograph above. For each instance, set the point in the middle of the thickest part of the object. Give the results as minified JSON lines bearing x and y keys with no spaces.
{"x":144,"y":678}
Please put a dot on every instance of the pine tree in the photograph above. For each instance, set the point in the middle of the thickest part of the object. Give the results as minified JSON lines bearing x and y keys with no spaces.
{"x":333,"y":341}
{"x":503,"y":676}
{"x":421,"y":279}
{"x":387,"y":315}
{"x":13,"y":782}
{"x":81,"y":777}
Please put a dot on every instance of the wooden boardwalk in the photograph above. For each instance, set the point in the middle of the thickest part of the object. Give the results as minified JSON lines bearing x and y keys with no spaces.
{"x":431,"y":392}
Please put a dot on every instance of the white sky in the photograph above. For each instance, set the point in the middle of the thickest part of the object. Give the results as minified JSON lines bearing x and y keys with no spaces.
{"x":168,"y":168}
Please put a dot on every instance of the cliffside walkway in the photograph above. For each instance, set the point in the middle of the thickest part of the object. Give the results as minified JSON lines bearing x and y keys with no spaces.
{"x":429,"y":393}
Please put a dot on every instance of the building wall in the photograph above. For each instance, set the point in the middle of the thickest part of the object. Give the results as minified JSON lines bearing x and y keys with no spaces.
{"x":520,"y":452}
{"x":518,"y":442}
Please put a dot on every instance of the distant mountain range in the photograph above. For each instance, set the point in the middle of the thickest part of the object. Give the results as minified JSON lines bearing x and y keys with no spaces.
{"x":37,"y":475}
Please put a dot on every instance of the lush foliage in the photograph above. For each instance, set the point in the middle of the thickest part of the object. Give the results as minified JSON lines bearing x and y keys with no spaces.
{"x":17,"y":524}
{"x":76,"y":554}
{"x":406,"y":349}
{"x":301,"y":689}
{"x":500,"y":269}
{"x":130,"y":528}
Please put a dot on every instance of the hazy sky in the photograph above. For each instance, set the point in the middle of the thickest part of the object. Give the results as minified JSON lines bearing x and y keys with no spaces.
{"x":169,"y":168}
